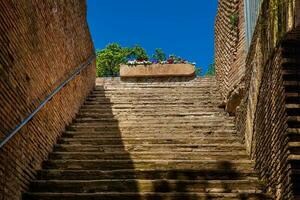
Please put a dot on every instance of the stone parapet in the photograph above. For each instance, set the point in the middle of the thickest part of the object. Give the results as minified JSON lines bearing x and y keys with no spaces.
{"x":157,"y":70}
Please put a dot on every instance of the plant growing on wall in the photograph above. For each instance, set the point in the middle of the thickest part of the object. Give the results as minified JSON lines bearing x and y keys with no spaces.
{"x":234,"y":20}
{"x":198,"y":71}
{"x":211,"y":71}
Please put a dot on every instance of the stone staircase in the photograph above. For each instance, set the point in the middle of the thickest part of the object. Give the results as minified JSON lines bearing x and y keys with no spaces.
{"x":149,"y":141}
{"x":291,"y":79}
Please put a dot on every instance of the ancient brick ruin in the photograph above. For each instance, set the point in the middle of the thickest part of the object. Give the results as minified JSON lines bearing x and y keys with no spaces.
{"x":42,"y":43}
{"x":265,"y":93}
{"x":152,"y":138}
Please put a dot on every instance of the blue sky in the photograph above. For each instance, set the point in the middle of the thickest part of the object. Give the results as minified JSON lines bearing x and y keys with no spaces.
{"x":182,"y":27}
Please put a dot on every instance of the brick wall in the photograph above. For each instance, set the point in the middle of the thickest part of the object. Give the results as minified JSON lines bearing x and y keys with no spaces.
{"x":42,"y":42}
{"x":237,"y":68}
{"x":229,"y":45}
{"x":268,"y":115}
{"x":269,"y":147}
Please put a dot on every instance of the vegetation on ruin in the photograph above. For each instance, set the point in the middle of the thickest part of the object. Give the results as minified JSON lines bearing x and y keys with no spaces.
{"x":211,"y":71}
{"x":109,"y":59}
{"x":234,"y":20}
{"x":159,"y":55}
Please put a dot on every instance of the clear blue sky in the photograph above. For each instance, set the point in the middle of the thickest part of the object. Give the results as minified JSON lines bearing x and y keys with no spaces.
{"x":182,"y":27}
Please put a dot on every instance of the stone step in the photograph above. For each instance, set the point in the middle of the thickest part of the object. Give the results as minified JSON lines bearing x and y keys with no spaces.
{"x":139,"y":104}
{"x":154,"y":123}
{"x":251,"y":195}
{"x":143,"y":99}
{"x":157,"y":85}
{"x":109,"y":133}
{"x":151,"y":147}
{"x":191,"y":125}
{"x":147,"y":118}
{"x":292,"y":97}
{"x":165,"y":113}
{"x":149,"y":114}
{"x":191,"y":107}
{"x":177,"y":122}
{"x":145,"y":164}
{"x":141,"y":141}
{"x":156,"y":93}
{"x":150,"y":130}
{"x":134,"y":185}
{"x":149,"y":141}
{"x":152,"y":97}
{"x":107,"y":98}
{"x":223,"y":172}
{"x":154,"y":86}
{"x":151,"y":111}
{"x":148,"y":155}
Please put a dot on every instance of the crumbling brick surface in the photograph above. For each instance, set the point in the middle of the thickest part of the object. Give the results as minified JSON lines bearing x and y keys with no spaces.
{"x":268,"y":115}
{"x":229,"y":45}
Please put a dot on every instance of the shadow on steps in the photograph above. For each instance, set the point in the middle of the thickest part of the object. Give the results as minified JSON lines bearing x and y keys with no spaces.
{"x":224,"y":171}
{"x":68,"y":175}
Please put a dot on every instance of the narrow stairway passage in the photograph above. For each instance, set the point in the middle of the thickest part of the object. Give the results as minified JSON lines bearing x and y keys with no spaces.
{"x":149,"y":141}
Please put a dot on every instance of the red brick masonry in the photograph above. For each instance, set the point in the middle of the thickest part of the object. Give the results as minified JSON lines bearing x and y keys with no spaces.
{"x":42,"y":42}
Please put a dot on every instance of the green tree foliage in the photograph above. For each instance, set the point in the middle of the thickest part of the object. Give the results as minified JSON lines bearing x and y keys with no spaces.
{"x":198,"y":71}
{"x":211,"y":71}
{"x":137,"y":53}
{"x":159,"y":55}
{"x":109,"y":59}
{"x":113,"y":55}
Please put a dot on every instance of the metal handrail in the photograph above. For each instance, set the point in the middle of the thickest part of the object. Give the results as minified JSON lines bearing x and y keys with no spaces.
{"x":48,"y":98}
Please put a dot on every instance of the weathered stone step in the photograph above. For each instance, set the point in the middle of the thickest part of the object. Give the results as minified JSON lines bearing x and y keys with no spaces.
{"x":144,"y":111}
{"x":148,"y":155}
{"x":294,"y":147}
{"x":166,"y":113}
{"x":111,"y":113}
{"x":141,"y":141}
{"x":150,"y":98}
{"x":108,"y":133}
{"x":223,"y":172}
{"x":134,"y":185}
{"x":149,"y":121}
{"x":145,"y":164}
{"x":147,"y":100}
{"x":155,"y":96}
{"x":149,"y":126}
{"x":292,"y":97}
{"x":154,"y":123}
{"x":210,"y":95}
{"x":152,"y":85}
{"x":138,"y":104}
{"x":150,"y":129}
{"x":154,"y":130}
{"x":167,"y":87}
{"x":150,"y":147}
{"x":156,"y":93}
{"x":182,"y":107}
{"x":146,"y":196}
{"x":116,"y":118}
{"x":174,"y":84}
